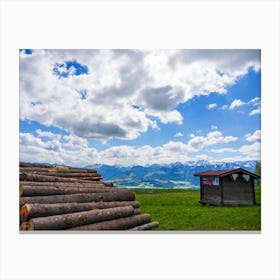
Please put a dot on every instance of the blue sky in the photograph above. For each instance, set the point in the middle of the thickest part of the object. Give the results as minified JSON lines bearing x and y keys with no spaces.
{"x":129,"y":107}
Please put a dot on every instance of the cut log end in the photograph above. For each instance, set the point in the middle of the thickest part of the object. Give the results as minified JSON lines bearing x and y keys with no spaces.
{"x":25,"y":212}
{"x":24,"y":226}
{"x":20,"y":189}
{"x":31,"y":225}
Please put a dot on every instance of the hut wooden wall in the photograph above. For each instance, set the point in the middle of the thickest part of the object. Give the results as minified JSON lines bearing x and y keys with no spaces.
{"x":237,"y":192}
{"x":211,"y":194}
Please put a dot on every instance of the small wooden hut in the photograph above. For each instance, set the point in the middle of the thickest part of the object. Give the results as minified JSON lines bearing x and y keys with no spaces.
{"x":227,"y":187}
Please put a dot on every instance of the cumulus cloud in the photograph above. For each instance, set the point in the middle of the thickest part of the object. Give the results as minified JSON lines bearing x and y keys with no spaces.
{"x":121,"y":91}
{"x":179,"y":134}
{"x":223,"y":150}
{"x":75,"y":151}
{"x":47,"y":134}
{"x":211,"y":106}
{"x":255,"y":101}
{"x":236,"y":103}
{"x":224,"y":107}
{"x":252,"y":150}
{"x":214,"y":127}
{"x":255,"y":112}
{"x":212,"y":138}
{"x":256,"y":136}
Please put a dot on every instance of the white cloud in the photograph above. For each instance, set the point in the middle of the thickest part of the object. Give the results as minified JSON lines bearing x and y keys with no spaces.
{"x":167,"y":117}
{"x":47,"y":134}
{"x":179,"y":134}
{"x":252,"y":150}
{"x":75,"y":151}
{"x":236,"y":103}
{"x":203,"y":156}
{"x":255,"y":101}
{"x":224,"y":107}
{"x":214,"y":127}
{"x":224,"y":150}
{"x":256,"y":136}
{"x":212,"y":138}
{"x":211,"y":106}
{"x":155,"y":81}
{"x":255,"y":112}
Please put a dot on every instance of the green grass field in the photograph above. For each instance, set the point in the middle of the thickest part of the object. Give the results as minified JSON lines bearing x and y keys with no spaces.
{"x":180,"y":210}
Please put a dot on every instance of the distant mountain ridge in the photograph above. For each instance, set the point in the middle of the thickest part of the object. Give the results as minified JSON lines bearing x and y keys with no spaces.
{"x":174,"y":175}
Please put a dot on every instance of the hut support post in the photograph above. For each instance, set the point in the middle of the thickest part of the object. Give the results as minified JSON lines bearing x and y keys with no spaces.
{"x":201,"y":198}
{"x":222,"y":190}
{"x":253,"y":191}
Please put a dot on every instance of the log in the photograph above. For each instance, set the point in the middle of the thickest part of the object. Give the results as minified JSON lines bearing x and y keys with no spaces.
{"x":28,"y":164}
{"x":54,"y":167}
{"x":91,"y":178}
{"x":119,"y":224}
{"x":146,"y":226}
{"x":68,"y":184}
{"x":24,"y":226}
{"x":27,"y":190}
{"x":45,"y":178}
{"x":44,"y":171}
{"x":71,"y":169}
{"x":70,"y":174}
{"x":64,"y":221}
{"x":33,"y":169}
{"x":137,"y":211}
{"x":81,"y":197}
{"x":35,"y":210}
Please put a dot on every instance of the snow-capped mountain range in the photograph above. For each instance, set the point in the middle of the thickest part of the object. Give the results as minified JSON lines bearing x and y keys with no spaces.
{"x":174,"y":175}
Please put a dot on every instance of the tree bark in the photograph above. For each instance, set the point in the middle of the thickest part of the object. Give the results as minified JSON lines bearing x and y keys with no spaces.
{"x":35,"y":210}
{"x":81,"y":197}
{"x":28,"y":164}
{"x":70,"y":174}
{"x":51,"y":169}
{"x":68,"y":184}
{"x":27,"y":190}
{"x":45,"y":178}
{"x":137,"y":211}
{"x":146,"y":226}
{"x":119,"y":224}
{"x":60,"y":222}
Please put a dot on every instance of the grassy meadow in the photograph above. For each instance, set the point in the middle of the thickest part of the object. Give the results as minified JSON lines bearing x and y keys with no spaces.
{"x":179,"y":210}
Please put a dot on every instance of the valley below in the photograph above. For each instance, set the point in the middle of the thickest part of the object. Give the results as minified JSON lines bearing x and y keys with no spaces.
{"x":164,"y":176}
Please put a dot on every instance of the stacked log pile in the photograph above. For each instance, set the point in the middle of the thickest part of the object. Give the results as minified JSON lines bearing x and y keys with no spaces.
{"x":67,"y":198}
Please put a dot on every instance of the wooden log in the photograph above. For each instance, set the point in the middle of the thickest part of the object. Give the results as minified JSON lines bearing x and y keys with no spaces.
{"x":56,"y":168}
{"x":24,"y":226}
{"x":35,"y":210}
{"x":81,"y":197}
{"x":64,"y":221}
{"x":51,"y":170}
{"x":146,"y":226}
{"x":70,"y":174}
{"x":119,"y":224}
{"x":29,"y":190}
{"x":29,"y":164}
{"x":68,"y":184}
{"x":71,"y":169}
{"x":137,"y":211}
{"x":33,"y":169}
{"x":45,"y":178}
{"x":91,"y":178}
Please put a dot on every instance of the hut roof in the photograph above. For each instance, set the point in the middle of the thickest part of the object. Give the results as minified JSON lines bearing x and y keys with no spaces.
{"x":225,"y":172}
